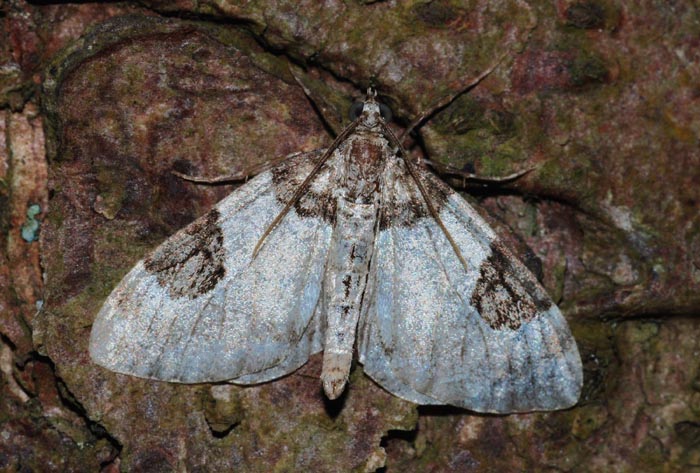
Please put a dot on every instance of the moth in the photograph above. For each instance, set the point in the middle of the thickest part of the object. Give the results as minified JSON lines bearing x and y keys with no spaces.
{"x":351,"y":249}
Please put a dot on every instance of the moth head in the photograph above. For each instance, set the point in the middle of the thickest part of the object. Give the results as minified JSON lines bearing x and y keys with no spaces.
{"x":370,"y":113}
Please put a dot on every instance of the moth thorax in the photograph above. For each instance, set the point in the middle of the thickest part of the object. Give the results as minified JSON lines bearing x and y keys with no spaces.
{"x":363,"y":167}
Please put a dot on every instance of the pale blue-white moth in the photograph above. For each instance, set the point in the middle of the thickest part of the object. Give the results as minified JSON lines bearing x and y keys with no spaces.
{"x":355,"y":249}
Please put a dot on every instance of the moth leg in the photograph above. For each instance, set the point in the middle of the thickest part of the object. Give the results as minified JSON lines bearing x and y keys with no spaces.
{"x":325,"y":102}
{"x":236,"y":177}
{"x":473,"y":177}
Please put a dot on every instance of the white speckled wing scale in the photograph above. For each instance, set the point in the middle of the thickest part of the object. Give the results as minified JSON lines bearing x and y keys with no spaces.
{"x":488,"y":338}
{"x":200,"y":309}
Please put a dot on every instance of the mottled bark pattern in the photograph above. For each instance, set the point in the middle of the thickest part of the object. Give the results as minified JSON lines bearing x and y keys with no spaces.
{"x":506,"y":294}
{"x":191,"y":262}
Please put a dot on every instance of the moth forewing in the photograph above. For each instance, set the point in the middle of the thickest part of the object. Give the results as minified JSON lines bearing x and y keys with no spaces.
{"x":352,"y":239}
{"x":255,"y":323}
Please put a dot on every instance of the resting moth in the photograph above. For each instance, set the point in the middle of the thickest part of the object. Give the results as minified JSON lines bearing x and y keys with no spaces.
{"x":351,"y":249}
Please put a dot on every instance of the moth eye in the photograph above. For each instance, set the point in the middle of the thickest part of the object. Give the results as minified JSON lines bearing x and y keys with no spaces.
{"x":385,"y":112}
{"x":356,"y":110}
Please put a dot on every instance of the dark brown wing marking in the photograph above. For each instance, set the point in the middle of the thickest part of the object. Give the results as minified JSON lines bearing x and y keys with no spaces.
{"x":506,"y":294}
{"x":288,"y":178}
{"x":403,"y":203}
{"x":191,"y":262}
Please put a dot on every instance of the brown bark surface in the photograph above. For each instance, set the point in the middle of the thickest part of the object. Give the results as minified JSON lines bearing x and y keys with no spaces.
{"x":99,"y":102}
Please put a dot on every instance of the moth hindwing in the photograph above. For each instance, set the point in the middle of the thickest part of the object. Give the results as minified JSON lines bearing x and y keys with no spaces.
{"x":352,"y":248}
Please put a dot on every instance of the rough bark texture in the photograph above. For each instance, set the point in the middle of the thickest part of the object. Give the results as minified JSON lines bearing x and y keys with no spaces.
{"x":98,"y":102}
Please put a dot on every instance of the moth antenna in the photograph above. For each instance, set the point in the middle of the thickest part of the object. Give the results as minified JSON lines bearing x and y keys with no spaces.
{"x":450,"y":98}
{"x":426,"y":197}
{"x":301,"y":190}
{"x":475,"y":178}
